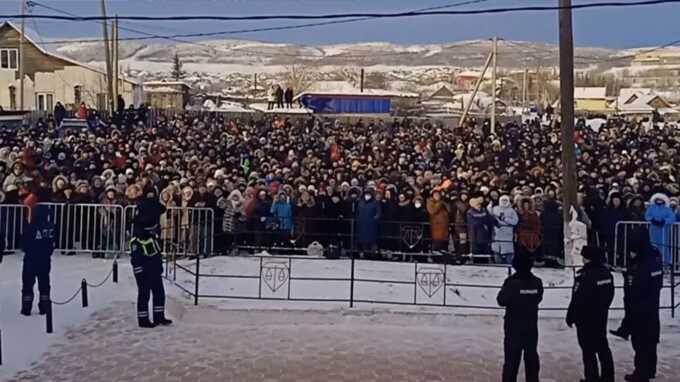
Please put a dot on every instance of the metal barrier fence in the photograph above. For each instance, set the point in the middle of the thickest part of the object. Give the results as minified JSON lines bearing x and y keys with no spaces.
{"x":107,"y":229}
{"x":665,"y":238}
{"x":90,"y":228}
{"x":184,"y":230}
{"x":12,"y":218}
{"x":426,"y":284}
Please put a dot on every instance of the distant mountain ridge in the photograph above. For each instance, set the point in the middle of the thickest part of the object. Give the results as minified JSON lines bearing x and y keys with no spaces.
{"x":511,"y":54}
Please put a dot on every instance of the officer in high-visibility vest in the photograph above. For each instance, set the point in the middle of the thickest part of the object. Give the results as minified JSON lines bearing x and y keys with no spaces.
{"x":38,"y":245}
{"x":147,"y":263}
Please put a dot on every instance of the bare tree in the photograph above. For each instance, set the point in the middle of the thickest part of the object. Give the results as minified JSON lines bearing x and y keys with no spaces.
{"x":299,"y":77}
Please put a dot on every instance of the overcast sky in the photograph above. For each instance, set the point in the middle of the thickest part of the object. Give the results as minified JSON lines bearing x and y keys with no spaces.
{"x":608,"y":27}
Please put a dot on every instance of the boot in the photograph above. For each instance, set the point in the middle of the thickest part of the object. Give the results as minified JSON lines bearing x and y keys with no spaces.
{"x":145,"y":323}
{"x":43,"y":304}
{"x":26,"y":305}
{"x":635,"y":378}
{"x":163,"y":322}
{"x":159,"y":319}
{"x":620,"y":333}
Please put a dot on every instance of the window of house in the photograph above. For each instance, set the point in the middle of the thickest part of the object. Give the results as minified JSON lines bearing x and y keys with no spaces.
{"x":77,"y":95}
{"x":9,"y":58}
{"x":40,"y":102}
{"x":101,"y":101}
{"x":44,"y":101}
{"x":12,"y":98}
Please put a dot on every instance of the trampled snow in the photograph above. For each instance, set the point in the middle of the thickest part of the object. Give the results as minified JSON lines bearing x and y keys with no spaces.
{"x":24,"y":339}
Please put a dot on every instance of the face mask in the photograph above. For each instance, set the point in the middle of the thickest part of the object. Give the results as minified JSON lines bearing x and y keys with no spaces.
{"x":367,"y":197}
{"x":417,"y":204}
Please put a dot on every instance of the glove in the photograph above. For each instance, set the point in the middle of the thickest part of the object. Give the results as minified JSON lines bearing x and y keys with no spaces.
{"x":570,"y":323}
{"x":658,"y":223}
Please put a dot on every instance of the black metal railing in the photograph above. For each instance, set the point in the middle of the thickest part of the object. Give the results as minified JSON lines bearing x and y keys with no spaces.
{"x":431,"y":284}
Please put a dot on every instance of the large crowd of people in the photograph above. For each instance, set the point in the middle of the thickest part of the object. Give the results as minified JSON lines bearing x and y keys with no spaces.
{"x":471,"y":190}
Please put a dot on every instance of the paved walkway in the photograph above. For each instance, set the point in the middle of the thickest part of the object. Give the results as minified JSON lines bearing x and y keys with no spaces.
{"x":311,"y":346}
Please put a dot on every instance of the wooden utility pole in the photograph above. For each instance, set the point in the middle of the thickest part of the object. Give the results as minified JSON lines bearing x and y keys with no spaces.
{"x":538,"y":82}
{"x":524,"y":89}
{"x":362,"y":80}
{"x":107,"y":51}
{"x":474,"y":92}
{"x":116,"y":60}
{"x":494,"y":53}
{"x":21,"y":56}
{"x":567,"y":106}
{"x":255,"y":85}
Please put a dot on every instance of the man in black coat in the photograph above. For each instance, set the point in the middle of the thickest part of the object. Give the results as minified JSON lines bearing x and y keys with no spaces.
{"x":520,"y":295}
{"x":38,"y":243}
{"x":642,"y":299}
{"x":589,"y":309}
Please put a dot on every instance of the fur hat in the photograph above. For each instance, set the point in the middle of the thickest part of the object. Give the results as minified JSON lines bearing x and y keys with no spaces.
{"x":522,"y":263}
{"x":592,"y":253}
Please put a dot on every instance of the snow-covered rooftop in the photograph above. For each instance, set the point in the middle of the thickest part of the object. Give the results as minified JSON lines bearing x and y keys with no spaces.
{"x":590,"y":93}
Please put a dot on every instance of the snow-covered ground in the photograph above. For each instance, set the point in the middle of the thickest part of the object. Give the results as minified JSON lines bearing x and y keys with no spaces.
{"x":25,"y":343}
{"x":24,"y":339}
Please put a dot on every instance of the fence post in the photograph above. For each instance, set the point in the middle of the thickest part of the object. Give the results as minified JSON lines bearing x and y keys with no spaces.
{"x":83,"y":287}
{"x":351,"y":237}
{"x":415,"y":283}
{"x":49,"y":327}
{"x":259,"y":281}
{"x":351,"y":283}
{"x":115,"y":271}
{"x":198,"y":269}
{"x":672,"y":290}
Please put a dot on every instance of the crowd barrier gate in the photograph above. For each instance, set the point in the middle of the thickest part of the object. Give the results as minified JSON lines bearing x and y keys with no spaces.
{"x":12,"y":217}
{"x":184,"y":230}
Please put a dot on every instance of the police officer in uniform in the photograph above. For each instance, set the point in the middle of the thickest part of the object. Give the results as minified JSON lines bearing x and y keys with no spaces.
{"x":520,"y":295}
{"x":642,"y":298}
{"x":147,"y":263}
{"x":38,"y":245}
{"x":591,"y":298}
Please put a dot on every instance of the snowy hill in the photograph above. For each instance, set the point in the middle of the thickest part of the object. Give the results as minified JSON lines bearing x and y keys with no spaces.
{"x":244,"y":52}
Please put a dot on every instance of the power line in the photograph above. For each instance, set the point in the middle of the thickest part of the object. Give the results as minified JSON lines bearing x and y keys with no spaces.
{"x":533,"y":8}
{"x":175,"y":38}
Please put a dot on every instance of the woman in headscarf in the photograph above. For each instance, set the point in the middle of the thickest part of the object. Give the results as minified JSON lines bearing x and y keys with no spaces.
{"x":528,"y":230}
{"x":480,"y":224}
{"x":503,"y":245}
{"x":661,"y":216}
{"x":438,"y":211}
{"x":233,"y":219}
